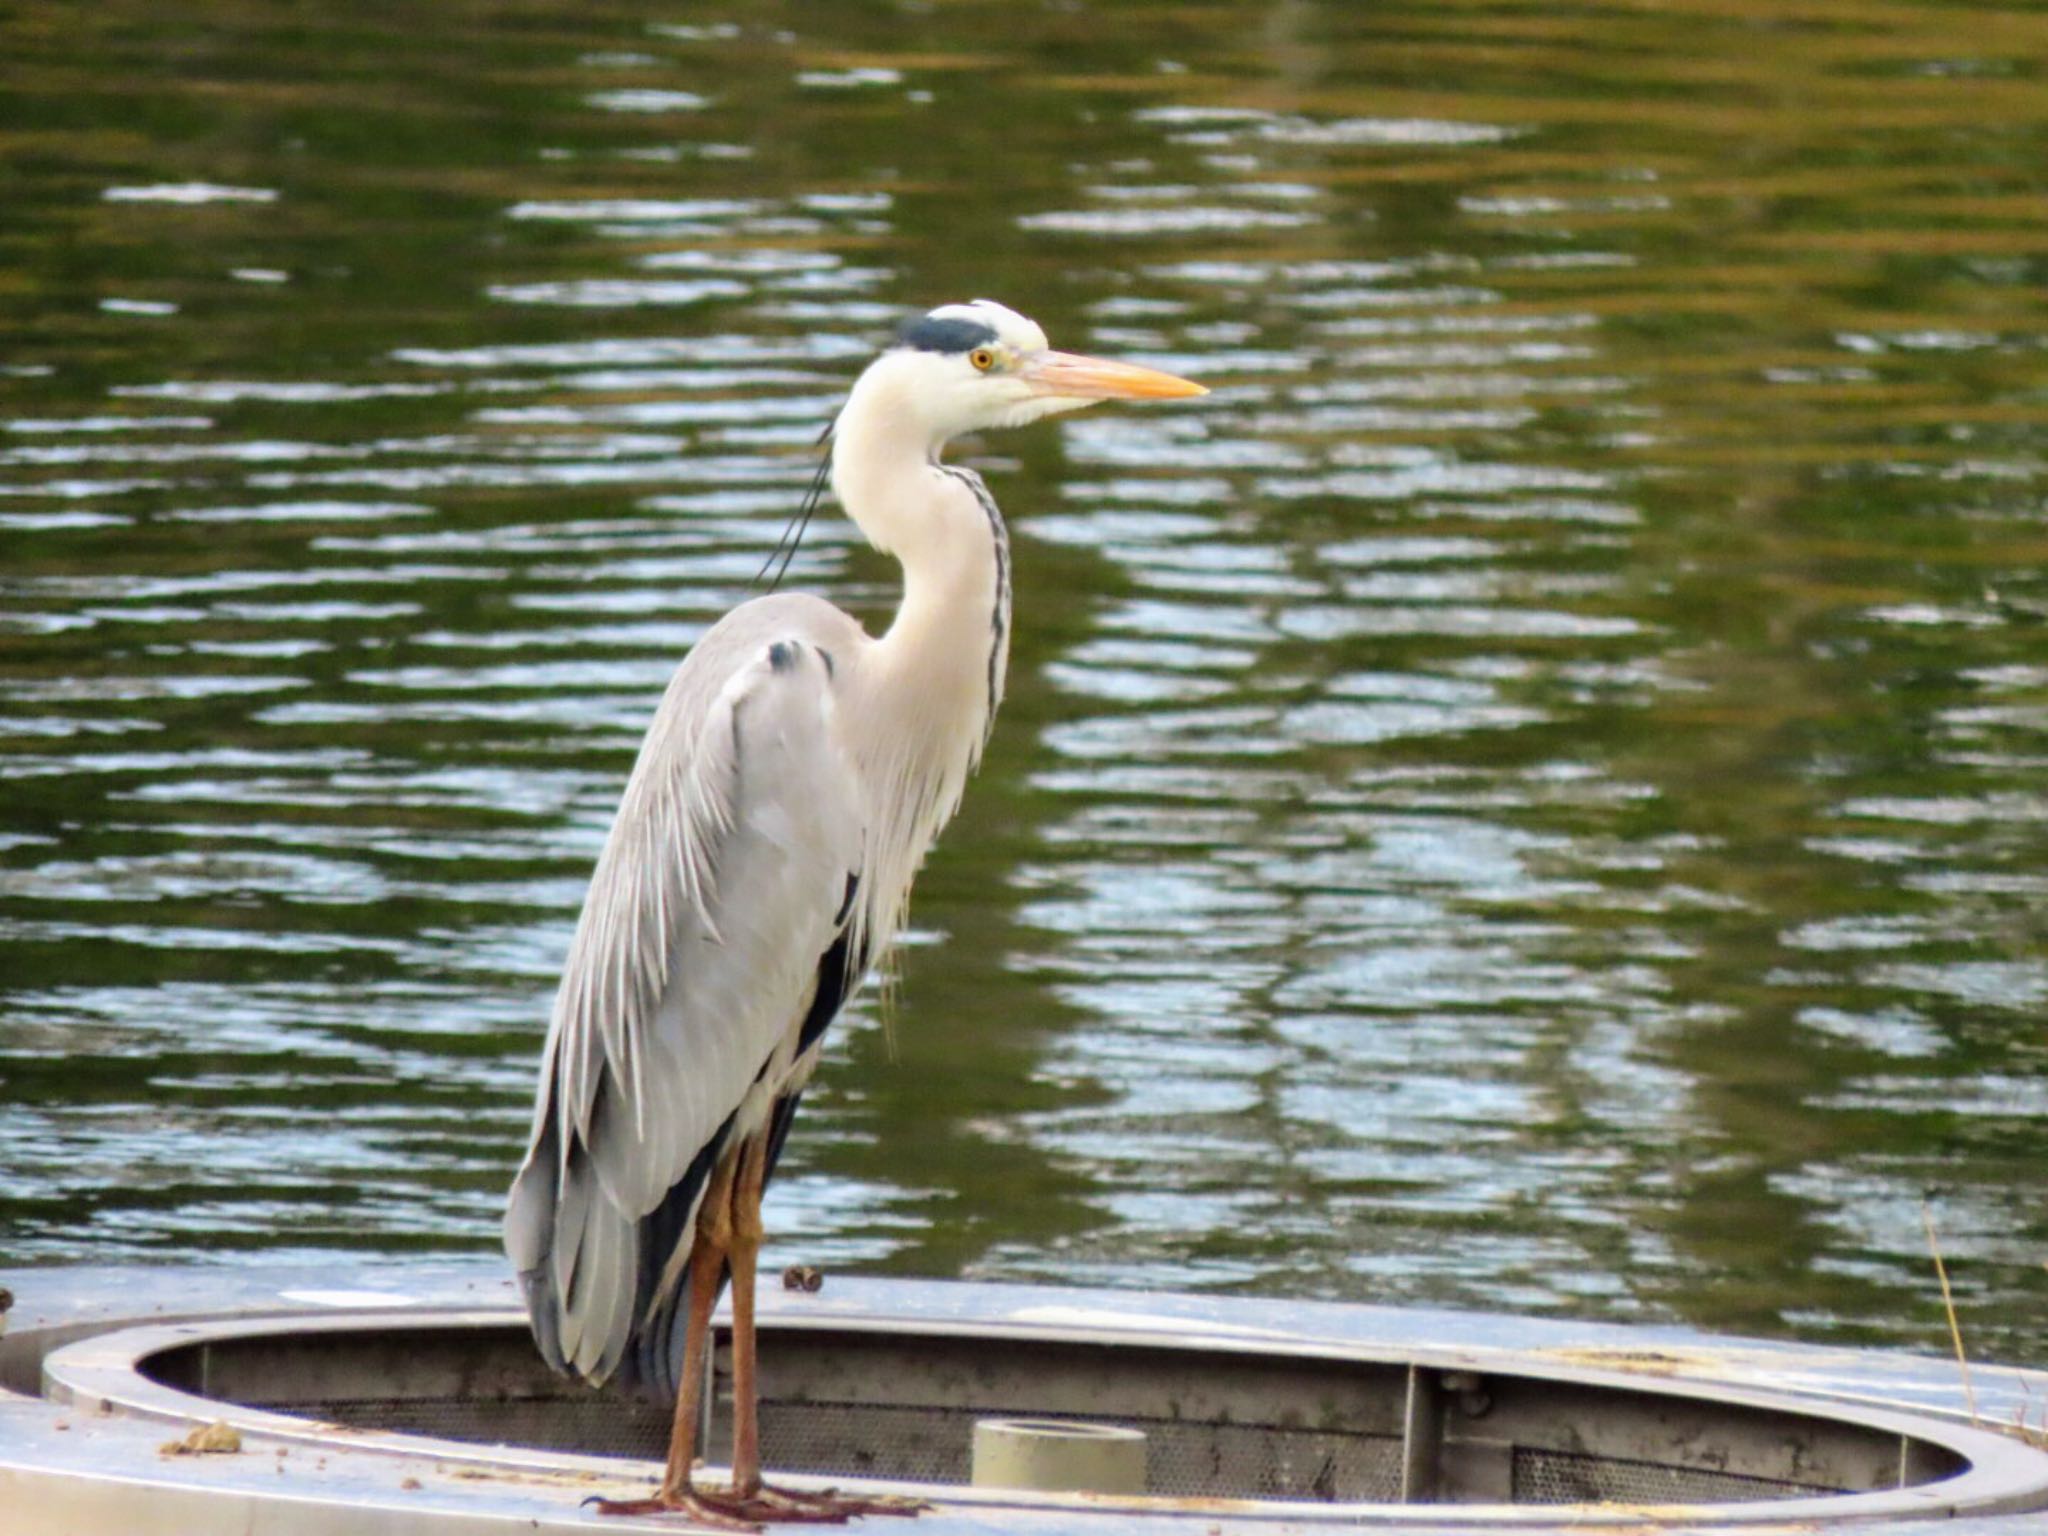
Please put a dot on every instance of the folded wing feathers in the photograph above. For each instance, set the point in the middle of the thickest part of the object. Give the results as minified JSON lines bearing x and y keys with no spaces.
{"x":656,"y":883}
{"x":631,"y":1088}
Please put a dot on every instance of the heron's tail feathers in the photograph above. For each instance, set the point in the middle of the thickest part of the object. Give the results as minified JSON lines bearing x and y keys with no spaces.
{"x":529,"y":1241}
{"x":605,"y":1291}
{"x":576,"y":1255}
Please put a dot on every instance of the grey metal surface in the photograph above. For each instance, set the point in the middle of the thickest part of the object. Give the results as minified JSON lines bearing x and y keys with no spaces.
{"x":72,"y":1467}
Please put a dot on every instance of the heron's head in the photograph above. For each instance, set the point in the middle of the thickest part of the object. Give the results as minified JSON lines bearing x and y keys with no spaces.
{"x":969,"y":367}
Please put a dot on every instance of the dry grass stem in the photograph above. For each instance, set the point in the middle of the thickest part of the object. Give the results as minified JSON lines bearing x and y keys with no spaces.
{"x":1948,"y":1302}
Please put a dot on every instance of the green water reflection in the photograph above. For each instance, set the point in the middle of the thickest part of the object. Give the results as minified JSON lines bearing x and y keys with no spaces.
{"x":1529,"y":796}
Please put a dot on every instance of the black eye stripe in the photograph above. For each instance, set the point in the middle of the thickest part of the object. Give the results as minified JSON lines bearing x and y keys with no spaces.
{"x":932,"y":333}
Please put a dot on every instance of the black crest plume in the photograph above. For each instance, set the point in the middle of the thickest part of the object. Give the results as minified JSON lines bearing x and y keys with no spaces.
{"x":793,"y":531}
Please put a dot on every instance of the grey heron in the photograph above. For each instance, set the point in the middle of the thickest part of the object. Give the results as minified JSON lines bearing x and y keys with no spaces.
{"x":795,"y":775}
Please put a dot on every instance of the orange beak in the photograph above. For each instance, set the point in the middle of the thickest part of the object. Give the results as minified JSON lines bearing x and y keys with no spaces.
{"x":1073,"y":377}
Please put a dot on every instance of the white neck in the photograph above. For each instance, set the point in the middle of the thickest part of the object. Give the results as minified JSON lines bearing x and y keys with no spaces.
{"x":927,"y":690}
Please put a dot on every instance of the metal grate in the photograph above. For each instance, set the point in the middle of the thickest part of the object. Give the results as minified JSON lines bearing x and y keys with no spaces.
{"x":1567,"y":1477}
{"x":924,"y":1445}
{"x":591,"y":1426}
{"x":1217,"y":1425}
{"x":1184,"y":1459}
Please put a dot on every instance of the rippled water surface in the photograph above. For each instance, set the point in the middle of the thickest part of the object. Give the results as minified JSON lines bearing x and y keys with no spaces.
{"x":1531,"y":795}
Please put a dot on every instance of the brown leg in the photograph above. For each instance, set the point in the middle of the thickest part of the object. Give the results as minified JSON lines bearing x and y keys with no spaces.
{"x":746,"y":1248}
{"x":707,"y":1265}
{"x":707,"y":1268}
{"x":751,"y":1498}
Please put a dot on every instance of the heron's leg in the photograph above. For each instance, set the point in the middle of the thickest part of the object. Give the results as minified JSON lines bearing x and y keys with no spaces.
{"x":708,"y":1250}
{"x":751,"y":1498}
{"x":707,"y":1268}
{"x":746,"y":1248}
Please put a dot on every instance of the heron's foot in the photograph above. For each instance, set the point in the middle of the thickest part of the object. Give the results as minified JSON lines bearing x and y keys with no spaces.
{"x":723,"y":1510}
{"x":848,"y":1506}
{"x":771,"y":1505}
{"x":690,"y":1503}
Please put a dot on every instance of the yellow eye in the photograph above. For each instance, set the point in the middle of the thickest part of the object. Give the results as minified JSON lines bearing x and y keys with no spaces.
{"x":982,"y":358}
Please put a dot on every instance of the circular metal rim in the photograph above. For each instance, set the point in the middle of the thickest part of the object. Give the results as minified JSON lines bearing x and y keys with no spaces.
{"x":2001,"y":1476}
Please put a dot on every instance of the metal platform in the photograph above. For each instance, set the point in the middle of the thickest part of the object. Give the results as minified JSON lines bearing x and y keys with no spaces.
{"x":373,"y":1403}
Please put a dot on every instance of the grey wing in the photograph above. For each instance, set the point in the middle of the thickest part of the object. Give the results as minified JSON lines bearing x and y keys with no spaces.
{"x":721,"y":887}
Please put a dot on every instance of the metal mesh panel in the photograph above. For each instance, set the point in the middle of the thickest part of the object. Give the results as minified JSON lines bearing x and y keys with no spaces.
{"x":921,"y":1445}
{"x":926,"y":1445}
{"x":904,"y":1409}
{"x":591,"y":1426}
{"x":1183,"y":1459}
{"x":1565,"y":1477}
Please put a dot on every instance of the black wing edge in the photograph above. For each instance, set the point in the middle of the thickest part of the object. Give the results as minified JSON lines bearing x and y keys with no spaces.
{"x":653,"y":1363}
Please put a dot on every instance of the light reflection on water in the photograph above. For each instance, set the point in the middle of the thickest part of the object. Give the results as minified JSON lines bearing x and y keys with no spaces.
{"x":1527,"y":796}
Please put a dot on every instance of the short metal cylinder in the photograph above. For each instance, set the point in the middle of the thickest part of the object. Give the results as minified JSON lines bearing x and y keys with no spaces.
{"x":1058,"y":1456}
